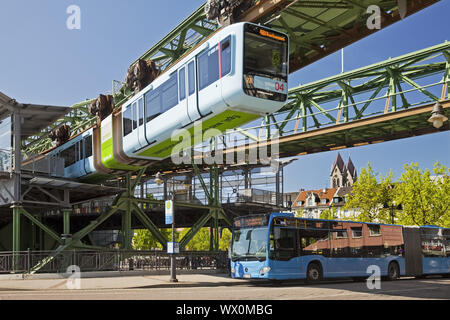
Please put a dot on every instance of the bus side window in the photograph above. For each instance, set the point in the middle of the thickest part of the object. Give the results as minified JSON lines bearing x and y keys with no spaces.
{"x":285,"y":246}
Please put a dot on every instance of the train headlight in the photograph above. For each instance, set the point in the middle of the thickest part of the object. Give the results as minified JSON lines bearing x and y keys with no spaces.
{"x":264,"y":270}
{"x":233,"y":270}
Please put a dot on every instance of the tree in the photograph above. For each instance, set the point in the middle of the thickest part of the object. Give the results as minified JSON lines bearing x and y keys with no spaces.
{"x":200,"y":242}
{"x":369,"y":194}
{"x":144,"y":240}
{"x":329,"y":214}
{"x":425,"y":199}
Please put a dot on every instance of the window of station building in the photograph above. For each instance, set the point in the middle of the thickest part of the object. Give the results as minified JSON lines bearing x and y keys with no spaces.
{"x":341,"y":235}
{"x":88,"y":147}
{"x":182,"y":83}
{"x":208,"y":67}
{"x":374,"y":230}
{"x":357,"y":232}
{"x":225,"y":47}
{"x":127,"y":119}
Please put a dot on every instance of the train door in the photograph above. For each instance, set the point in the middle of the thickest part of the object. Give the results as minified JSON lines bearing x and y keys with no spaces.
{"x":140,"y":132}
{"x":192,"y":94}
{"x":131,"y":140}
{"x":182,"y":89}
{"x":87,"y":154}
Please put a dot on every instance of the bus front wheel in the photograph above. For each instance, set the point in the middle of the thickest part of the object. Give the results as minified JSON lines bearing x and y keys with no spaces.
{"x":314,"y":273}
{"x":393,"y":271}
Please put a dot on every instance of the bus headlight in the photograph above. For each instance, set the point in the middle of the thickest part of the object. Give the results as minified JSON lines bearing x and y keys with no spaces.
{"x":264,"y":270}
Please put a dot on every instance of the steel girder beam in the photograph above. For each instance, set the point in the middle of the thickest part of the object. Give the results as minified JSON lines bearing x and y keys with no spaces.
{"x":78,"y":119}
{"x":389,"y":86}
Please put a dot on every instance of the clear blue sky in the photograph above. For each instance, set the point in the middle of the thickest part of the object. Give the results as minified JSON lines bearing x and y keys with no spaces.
{"x":41,"y":61}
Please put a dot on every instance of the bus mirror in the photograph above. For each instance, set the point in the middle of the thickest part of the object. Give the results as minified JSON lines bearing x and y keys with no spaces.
{"x":249,"y":235}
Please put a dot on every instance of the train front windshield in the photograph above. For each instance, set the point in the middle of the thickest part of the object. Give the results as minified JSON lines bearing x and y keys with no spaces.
{"x":249,"y":244}
{"x":265,"y":63}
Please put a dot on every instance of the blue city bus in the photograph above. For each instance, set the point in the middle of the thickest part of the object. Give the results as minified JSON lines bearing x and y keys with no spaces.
{"x":280,"y":246}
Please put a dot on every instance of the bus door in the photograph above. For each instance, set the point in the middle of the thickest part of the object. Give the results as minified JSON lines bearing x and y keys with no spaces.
{"x":192,"y":94}
{"x":285,"y":258}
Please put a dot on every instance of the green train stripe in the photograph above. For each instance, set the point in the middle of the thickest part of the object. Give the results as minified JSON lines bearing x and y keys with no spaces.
{"x":222,"y":122}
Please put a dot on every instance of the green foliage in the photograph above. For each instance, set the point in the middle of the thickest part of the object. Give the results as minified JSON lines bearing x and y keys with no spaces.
{"x":144,"y":240}
{"x":425,"y":201}
{"x":329,"y":214}
{"x":369,"y":194}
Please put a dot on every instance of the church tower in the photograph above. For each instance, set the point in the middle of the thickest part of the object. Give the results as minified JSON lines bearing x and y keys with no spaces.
{"x":342,"y":175}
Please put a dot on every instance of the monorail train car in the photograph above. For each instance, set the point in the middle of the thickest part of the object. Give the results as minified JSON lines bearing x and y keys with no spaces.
{"x":236,"y":76}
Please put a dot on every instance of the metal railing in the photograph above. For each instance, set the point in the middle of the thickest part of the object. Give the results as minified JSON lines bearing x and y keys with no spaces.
{"x":114,"y":260}
{"x":257,"y":196}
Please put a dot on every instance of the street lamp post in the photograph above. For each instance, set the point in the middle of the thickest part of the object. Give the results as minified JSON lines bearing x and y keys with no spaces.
{"x":173,"y":262}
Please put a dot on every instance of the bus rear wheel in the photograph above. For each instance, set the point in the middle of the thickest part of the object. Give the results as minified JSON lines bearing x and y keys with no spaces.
{"x":393,"y":271}
{"x":314,"y":273}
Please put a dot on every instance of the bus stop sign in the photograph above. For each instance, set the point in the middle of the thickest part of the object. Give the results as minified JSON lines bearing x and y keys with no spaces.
{"x":169,"y":211}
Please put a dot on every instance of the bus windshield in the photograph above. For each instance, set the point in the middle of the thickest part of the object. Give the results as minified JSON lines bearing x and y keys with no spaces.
{"x":265,"y":63}
{"x":249,"y":244}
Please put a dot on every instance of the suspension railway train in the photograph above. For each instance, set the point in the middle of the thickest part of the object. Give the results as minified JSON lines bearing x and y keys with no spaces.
{"x":236,"y":76}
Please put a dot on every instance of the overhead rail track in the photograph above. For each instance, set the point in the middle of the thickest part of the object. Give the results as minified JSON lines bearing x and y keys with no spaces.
{"x":388,"y":100}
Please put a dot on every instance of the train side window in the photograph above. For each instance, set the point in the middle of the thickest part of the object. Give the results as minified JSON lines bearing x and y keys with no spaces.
{"x":208,"y":67}
{"x":152,"y":104}
{"x":225,"y":47}
{"x":88,"y":147}
{"x":170,"y":93}
{"x":141,"y":112}
{"x":127,"y":122}
{"x":182,"y":80}
{"x":77,"y":151}
{"x":191,"y":77}
{"x":69,"y":156}
{"x":134,"y":116}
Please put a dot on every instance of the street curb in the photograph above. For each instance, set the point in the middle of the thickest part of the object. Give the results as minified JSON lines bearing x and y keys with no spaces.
{"x":105,"y":274}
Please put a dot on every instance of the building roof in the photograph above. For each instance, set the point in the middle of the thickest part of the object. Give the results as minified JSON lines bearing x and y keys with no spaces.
{"x":343,"y":191}
{"x":319,"y":194}
{"x":35,"y":117}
